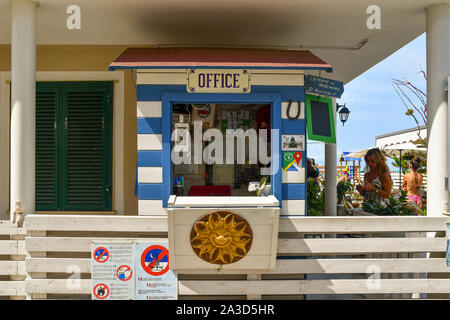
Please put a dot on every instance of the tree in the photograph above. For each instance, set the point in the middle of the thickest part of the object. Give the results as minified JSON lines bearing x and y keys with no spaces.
{"x":414,"y":100}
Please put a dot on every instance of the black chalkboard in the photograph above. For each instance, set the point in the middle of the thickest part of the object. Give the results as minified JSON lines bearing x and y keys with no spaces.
{"x":320,"y":118}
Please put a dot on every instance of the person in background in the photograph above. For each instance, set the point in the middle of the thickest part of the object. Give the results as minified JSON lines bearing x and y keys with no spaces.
{"x":377,"y":185}
{"x":311,"y":172}
{"x":315,"y":166}
{"x":412,"y":182}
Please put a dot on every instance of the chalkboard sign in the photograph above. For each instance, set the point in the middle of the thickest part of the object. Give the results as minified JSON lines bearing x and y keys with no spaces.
{"x":320,"y":119}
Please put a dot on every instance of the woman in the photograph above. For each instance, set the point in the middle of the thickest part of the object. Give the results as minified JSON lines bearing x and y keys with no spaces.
{"x":311,"y":171}
{"x":377,"y":180}
{"x":412,"y":182}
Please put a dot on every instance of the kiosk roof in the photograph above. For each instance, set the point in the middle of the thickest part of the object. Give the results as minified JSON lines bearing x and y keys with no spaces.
{"x":143,"y":58}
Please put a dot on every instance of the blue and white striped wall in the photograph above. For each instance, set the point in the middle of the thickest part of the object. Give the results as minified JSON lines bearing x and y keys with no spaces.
{"x":153,"y":84}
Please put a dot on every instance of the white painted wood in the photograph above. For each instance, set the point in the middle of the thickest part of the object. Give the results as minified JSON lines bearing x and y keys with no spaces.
{"x":293,"y":176}
{"x":192,"y":262}
{"x":8,"y":227}
{"x":360,"y":245}
{"x":290,"y":266}
{"x":96,"y":223}
{"x":149,"y":109}
{"x":253,"y":216}
{"x":12,"y":247}
{"x":264,"y":225}
{"x":12,"y":288}
{"x":151,"y":208}
{"x":293,"y":111}
{"x":330,"y":286}
{"x":150,"y":174}
{"x":12,"y":268}
{"x":292,"y":207}
{"x":71,"y":244}
{"x":59,"y":265}
{"x":217,"y":202}
{"x":360,"y":224}
{"x":56,"y":286}
{"x":149,"y":142}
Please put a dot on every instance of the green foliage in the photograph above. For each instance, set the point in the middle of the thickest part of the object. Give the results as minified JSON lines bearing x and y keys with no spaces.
{"x":405,"y":162}
{"x":343,"y":188}
{"x":315,"y":199}
{"x":396,"y":206}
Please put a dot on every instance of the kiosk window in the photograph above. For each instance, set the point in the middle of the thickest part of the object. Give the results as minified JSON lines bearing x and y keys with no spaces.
{"x":216,"y":149}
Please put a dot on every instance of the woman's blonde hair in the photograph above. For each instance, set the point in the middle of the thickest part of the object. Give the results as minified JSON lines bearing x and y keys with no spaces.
{"x":379,"y":159}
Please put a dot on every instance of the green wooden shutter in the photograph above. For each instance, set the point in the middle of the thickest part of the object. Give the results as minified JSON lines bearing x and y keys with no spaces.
{"x":47,"y":164}
{"x":87,"y":136}
{"x":79,"y":175}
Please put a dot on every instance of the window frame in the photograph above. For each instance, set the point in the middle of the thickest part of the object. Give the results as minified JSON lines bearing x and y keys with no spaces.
{"x":170,"y":98}
{"x":61,"y":133}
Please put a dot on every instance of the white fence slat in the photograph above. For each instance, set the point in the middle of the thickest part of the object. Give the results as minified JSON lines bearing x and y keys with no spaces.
{"x":57,"y":286}
{"x":12,"y":268}
{"x":361,"y":224}
{"x":96,"y":223}
{"x":12,"y":288}
{"x":71,"y":244}
{"x":287,"y":224}
{"x":360,"y":245}
{"x":331,"y":286}
{"x":283,"y":266}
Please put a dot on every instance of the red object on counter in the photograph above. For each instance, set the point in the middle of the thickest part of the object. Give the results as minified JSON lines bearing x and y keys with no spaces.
{"x":205,"y":191}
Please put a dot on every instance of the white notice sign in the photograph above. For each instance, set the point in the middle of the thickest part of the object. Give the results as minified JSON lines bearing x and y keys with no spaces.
{"x":154,"y":278}
{"x":112,"y":270}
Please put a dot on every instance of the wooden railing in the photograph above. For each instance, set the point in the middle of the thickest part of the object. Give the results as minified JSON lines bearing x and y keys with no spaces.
{"x":371,"y":257}
{"x":12,"y":260}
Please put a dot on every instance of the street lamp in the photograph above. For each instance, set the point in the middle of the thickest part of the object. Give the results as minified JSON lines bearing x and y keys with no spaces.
{"x":343,"y":112}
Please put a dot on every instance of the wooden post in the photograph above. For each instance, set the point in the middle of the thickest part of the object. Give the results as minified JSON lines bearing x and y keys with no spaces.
{"x":253,"y":277}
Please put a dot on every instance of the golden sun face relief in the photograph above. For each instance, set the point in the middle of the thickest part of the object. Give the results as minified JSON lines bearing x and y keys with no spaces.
{"x":221,"y":237}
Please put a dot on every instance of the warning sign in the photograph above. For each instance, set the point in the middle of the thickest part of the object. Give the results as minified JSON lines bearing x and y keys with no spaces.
{"x":154,"y":278}
{"x":132,"y":270}
{"x":112,"y":276}
{"x":124,"y":273}
{"x":101,"y":254}
{"x":101,"y":291}
{"x":155,"y":260}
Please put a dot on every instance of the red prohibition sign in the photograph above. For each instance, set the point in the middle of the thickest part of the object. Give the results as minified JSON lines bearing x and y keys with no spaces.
{"x":101,"y":291}
{"x":101,"y":254}
{"x":122,"y":274}
{"x":155,"y":260}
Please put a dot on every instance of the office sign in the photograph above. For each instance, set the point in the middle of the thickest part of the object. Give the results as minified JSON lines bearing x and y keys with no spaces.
{"x":323,"y":87}
{"x":218,"y":81}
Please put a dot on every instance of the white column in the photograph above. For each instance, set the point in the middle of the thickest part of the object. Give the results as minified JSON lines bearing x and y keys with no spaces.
{"x":331,"y":173}
{"x":23,"y":92}
{"x":438,"y":69}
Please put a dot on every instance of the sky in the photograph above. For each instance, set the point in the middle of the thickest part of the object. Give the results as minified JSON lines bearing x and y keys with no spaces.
{"x":375,"y":107}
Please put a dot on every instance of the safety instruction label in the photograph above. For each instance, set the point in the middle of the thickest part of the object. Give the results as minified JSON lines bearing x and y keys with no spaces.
{"x":112,"y":270}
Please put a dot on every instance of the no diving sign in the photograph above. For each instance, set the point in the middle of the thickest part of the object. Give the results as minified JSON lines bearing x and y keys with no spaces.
{"x":154,"y":278}
{"x":155,"y":260}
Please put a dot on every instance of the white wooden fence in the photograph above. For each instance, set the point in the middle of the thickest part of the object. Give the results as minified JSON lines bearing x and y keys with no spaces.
{"x":12,"y":261}
{"x":58,"y":247}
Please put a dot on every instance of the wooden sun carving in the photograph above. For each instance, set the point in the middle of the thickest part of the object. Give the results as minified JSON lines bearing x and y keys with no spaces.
{"x":221,"y":237}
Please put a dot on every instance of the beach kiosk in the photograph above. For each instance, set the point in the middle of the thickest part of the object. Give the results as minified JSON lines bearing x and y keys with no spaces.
{"x":222,"y":147}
